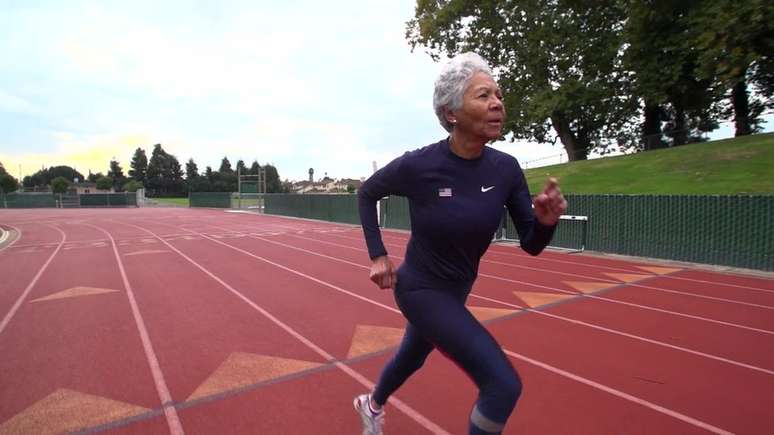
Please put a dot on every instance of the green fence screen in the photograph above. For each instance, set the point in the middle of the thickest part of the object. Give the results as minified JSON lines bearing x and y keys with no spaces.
{"x":732,"y":230}
{"x":210,"y":199}
{"x":723,"y":230}
{"x":108,"y":200}
{"x":334,"y":207}
{"x":27,"y":200}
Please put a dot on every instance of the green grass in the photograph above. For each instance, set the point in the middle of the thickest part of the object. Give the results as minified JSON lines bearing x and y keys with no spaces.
{"x":172,"y":201}
{"x":742,"y":165}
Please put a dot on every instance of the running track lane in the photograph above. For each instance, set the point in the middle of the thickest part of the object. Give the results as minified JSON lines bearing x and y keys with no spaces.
{"x":19,"y":267}
{"x":534,"y":281}
{"x":86,"y":344}
{"x":753,"y":395}
{"x":691,"y":333}
{"x":259,"y":409}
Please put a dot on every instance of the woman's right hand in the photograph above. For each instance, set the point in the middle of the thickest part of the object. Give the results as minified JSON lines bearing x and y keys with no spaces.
{"x":383,"y":272}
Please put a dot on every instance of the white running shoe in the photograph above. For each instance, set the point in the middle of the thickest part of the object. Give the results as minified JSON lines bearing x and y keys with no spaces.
{"x":372,"y":422}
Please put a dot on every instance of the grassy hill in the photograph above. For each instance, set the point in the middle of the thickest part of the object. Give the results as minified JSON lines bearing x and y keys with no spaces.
{"x":732,"y":166}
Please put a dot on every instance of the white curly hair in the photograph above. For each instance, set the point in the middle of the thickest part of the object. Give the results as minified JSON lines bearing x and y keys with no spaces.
{"x":451,"y":83}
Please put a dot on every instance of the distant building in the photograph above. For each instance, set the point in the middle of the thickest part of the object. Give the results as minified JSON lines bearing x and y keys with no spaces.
{"x":326,"y":185}
{"x":86,"y":188}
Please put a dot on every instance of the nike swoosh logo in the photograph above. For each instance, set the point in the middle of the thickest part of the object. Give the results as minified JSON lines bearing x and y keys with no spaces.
{"x":486,"y":189}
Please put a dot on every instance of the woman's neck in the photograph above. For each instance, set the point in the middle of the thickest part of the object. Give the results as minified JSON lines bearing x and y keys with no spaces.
{"x":465,"y":147}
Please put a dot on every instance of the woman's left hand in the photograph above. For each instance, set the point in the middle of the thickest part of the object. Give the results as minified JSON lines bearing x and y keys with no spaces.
{"x":550,"y":204}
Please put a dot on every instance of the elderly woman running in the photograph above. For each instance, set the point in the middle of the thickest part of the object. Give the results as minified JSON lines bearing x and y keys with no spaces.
{"x":456,"y":190}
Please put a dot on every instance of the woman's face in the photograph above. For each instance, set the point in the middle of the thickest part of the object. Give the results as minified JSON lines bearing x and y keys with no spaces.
{"x":482,"y":113}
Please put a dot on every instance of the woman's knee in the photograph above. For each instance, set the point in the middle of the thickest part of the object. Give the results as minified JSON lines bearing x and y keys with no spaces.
{"x":506,"y":388}
{"x":412,"y":364}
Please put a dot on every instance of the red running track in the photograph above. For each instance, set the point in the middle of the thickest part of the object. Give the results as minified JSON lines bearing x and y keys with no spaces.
{"x":200,"y":321}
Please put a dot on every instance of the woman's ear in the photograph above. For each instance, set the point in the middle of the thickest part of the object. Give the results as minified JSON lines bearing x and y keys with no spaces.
{"x":450,"y":117}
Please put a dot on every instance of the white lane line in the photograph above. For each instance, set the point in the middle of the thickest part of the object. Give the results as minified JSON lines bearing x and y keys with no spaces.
{"x":32,"y":283}
{"x":634,"y":399}
{"x":609,"y":280}
{"x":577,"y":378}
{"x":591,"y":265}
{"x":695,"y":295}
{"x":402,"y":406}
{"x":18,"y":237}
{"x":170,"y":412}
{"x":558,"y":317}
{"x":613,"y":301}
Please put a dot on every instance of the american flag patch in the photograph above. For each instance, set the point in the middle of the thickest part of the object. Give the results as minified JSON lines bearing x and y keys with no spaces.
{"x":444,"y":192}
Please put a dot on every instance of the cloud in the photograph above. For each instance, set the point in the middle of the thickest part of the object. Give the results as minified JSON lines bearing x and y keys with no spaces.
{"x":14,"y":104}
{"x":84,"y":154}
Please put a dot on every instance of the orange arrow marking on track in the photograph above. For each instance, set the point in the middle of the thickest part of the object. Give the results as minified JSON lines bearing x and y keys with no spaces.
{"x":535,"y":299}
{"x":482,"y":314}
{"x":243,"y":369}
{"x":65,"y":411}
{"x":626,"y":277}
{"x":369,"y":339}
{"x":588,"y":287}
{"x":659,"y":270}
{"x":74,"y":293}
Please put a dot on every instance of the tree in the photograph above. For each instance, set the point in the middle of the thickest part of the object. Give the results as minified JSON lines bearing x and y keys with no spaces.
{"x":44,"y":176}
{"x":117,"y":174}
{"x":132,"y":186}
{"x":225,"y":166}
{"x":241,"y":168}
{"x":208,"y":173}
{"x":191,"y":170}
{"x":734,"y":46}
{"x":60,"y":185}
{"x":139,"y":166}
{"x":155,"y":169}
{"x":92,"y":178}
{"x":557,"y":62}
{"x":164,"y":175}
{"x":255,"y":168}
{"x":104,"y":183}
{"x":7,"y":181}
{"x":663,"y":61}
{"x":199,"y":184}
{"x":273,"y":184}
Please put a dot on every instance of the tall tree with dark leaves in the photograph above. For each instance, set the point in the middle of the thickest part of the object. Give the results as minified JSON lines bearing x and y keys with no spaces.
{"x":191,"y":170}
{"x":7,"y":181}
{"x":225,"y":166}
{"x":155,"y":170}
{"x":558,"y":63}
{"x":273,"y":183}
{"x":139,"y":166}
{"x":44,"y":176}
{"x":116,"y":173}
{"x":255,"y":168}
{"x":734,"y":45}
{"x":164,"y":175}
{"x":661,"y":56}
{"x":241,"y":168}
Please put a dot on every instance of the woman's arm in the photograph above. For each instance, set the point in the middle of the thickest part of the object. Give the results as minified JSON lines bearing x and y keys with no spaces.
{"x":535,"y":226}
{"x":390,"y":180}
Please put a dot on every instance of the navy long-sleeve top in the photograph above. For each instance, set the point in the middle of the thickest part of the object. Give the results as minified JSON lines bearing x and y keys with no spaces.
{"x":456,"y":205}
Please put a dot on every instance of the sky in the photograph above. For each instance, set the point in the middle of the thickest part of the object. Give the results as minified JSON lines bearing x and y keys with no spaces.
{"x":332,"y":86}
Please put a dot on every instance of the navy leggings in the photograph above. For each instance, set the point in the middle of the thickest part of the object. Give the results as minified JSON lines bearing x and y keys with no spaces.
{"x":439,"y":319}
